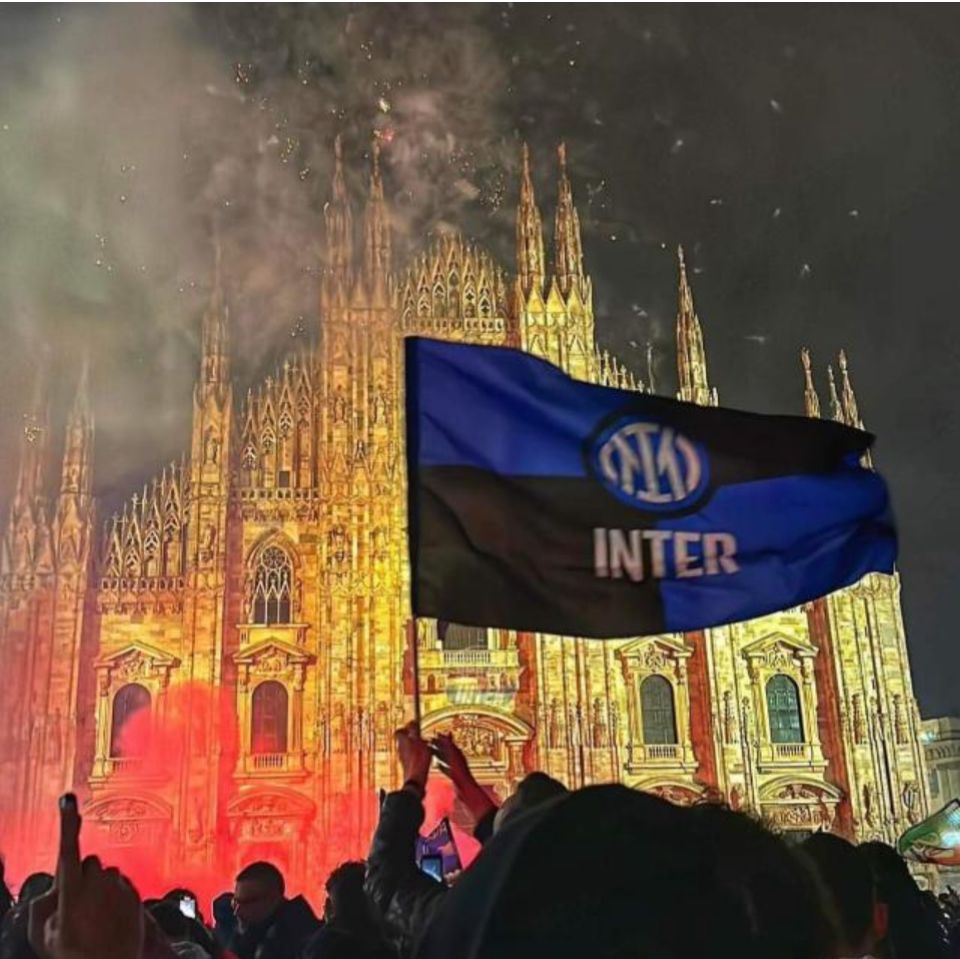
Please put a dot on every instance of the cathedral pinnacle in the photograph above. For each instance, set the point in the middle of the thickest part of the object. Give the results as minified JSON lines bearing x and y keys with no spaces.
{"x":811,"y":401}
{"x":568,"y":265}
{"x":339,"y":224}
{"x":691,"y":356}
{"x":530,"y":259}
{"x":848,"y":399}
{"x":376,"y":230}
{"x":215,"y":360}
{"x":836,"y":411}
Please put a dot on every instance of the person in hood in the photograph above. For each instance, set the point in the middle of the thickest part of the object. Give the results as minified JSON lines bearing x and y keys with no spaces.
{"x":351,"y":928}
{"x":269,"y":926}
{"x":612,"y":873}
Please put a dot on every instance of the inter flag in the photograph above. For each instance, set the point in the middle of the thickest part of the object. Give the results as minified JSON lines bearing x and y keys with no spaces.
{"x":542,"y":503}
{"x":936,"y":839}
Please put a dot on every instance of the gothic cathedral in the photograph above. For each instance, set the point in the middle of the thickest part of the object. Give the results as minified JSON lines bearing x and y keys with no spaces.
{"x":247,"y":610}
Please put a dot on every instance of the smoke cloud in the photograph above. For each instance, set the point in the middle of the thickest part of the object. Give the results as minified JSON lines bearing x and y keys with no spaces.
{"x":128,"y":134}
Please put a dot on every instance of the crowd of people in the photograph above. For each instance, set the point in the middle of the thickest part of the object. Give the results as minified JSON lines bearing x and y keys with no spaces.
{"x":604,"y":871}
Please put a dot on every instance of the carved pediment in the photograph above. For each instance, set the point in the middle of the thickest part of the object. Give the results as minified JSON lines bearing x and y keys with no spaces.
{"x":777,"y":650}
{"x":272,"y":656}
{"x":272,"y":804}
{"x":655,"y":654}
{"x":137,"y":661}
{"x":126,"y":808}
{"x":799,"y":791}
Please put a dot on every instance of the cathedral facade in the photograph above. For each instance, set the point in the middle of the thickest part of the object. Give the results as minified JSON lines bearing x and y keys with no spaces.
{"x":247,"y":612}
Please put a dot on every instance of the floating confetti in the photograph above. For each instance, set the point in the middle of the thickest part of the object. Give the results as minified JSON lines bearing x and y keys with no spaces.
{"x":677,"y":145}
{"x":757,"y":337}
{"x":776,"y":213}
{"x":384,"y":105}
{"x":776,"y":106}
{"x":716,"y":201}
{"x":805,"y":271}
{"x":853,"y":213}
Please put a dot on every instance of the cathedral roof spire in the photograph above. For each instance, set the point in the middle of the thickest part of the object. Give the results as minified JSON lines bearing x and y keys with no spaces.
{"x":339,"y":226}
{"x":836,"y":410}
{"x":691,"y":356}
{"x":27,"y":548}
{"x":530,"y":259}
{"x":811,"y":401}
{"x":848,"y":399}
{"x":376,"y":229}
{"x":215,"y":355}
{"x":78,"y":446}
{"x":568,"y":265}
{"x":651,"y":381}
{"x":34,"y":443}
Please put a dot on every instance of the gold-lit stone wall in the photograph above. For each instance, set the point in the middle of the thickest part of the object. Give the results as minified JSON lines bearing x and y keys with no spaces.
{"x":256,"y":592}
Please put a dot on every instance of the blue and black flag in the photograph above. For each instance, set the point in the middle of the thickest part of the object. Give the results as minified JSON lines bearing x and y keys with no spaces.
{"x":539,"y":502}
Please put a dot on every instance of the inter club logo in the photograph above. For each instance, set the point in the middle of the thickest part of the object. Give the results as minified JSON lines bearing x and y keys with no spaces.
{"x":649,"y":465}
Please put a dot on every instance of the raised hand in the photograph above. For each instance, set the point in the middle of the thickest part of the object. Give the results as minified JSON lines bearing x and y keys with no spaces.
{"x":91,"y":912}
{"x":414,"y":754}
{"x":453,"y":762}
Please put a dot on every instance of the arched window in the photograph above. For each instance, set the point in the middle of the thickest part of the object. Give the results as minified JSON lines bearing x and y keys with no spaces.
{"x":455,"y":636}
{"x":272,"y":586}
{"x":656,"y":707}
{"x":783,"y":709}
{"x":268,"y":732}
{"x":130,"y":738}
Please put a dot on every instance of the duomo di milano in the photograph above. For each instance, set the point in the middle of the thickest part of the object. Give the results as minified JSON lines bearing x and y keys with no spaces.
{"x":269,"y":567}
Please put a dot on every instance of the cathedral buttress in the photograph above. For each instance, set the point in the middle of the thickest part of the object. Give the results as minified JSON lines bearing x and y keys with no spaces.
{"x":204,"y":630}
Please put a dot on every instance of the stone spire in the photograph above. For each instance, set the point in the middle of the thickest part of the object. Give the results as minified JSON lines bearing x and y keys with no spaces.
{"x":77,"y":472}
{"x":568,"y":266}
{"x":530,"y":259}
{"x":376,"y":233}
{"x":691,"y":356}
{"x":848,"y":399}
{"x":27,"y":547}
{"x":75,"y":503}
{"x":836,"y":410}
{"x":339,"y":231}
{"x":215,"y":353}
{"x":811,"y":401}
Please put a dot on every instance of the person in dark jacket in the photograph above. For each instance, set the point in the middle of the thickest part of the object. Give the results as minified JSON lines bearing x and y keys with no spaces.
{"x":403,"y":895}
{"x":351,"y":929}
{"x":269,"y":926}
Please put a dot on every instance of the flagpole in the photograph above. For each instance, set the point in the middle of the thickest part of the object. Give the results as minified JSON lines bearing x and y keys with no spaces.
{"x":413,"y":643}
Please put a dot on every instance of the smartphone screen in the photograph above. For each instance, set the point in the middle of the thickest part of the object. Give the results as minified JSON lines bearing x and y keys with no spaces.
{"x":432,"y":866}
{"x":188,"y":906}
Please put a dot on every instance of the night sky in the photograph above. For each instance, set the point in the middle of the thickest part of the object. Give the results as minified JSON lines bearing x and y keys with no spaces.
{"x":805,"y":156}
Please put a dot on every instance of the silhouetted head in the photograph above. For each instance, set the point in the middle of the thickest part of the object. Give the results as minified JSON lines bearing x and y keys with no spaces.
{"x":531,"y":791}
{"x":257,"y":894}
{"x":36,"y":884}
{"x":347,"y":903}
{"x":845,"y":875}
{"x":611,"y":873}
